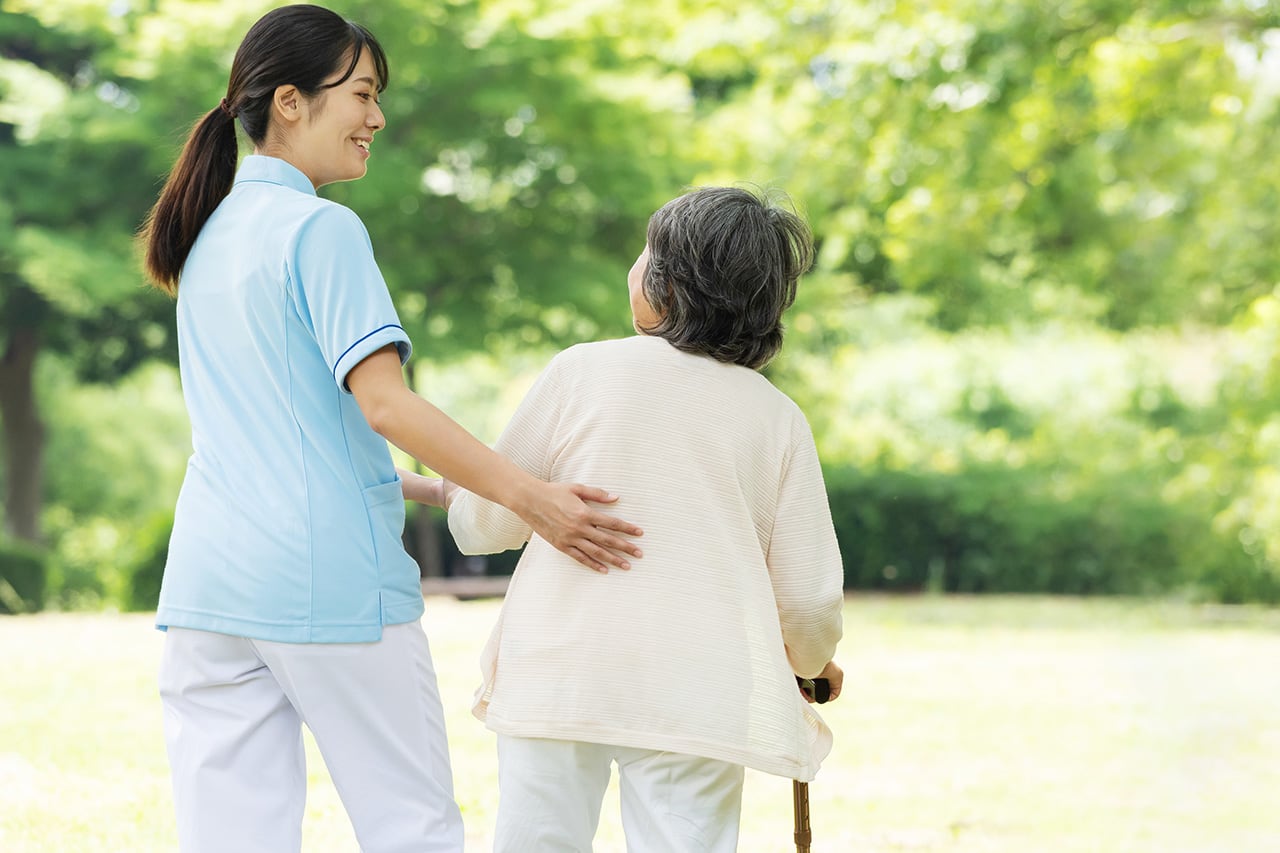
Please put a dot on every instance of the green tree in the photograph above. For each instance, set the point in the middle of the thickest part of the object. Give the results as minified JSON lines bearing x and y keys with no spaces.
{"x":71,"y":189}
{"x":1077,"y":159}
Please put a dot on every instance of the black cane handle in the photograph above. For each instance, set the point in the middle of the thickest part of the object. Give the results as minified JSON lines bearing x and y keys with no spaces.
{"x":817,"y":689}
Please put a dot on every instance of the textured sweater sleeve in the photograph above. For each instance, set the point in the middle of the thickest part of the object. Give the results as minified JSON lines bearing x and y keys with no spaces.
{"x":804,"y":561}
{"x":480,"y":526}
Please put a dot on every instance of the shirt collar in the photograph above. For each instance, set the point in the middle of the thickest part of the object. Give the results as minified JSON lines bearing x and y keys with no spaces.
{"x":272,"y":170}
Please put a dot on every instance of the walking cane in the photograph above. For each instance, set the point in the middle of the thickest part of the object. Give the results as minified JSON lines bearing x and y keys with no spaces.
{"x":800,"y":799}
{"x":819,"y":689}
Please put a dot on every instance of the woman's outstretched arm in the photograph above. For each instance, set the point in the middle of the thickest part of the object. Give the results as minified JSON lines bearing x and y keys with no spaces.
{"x":556,"y":511}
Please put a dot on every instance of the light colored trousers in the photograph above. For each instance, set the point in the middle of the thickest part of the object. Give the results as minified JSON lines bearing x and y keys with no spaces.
{"x":550,"y":792}
{"x":233,"y":715}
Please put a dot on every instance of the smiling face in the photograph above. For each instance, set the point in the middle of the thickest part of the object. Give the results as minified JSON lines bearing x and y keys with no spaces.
{"x":328,"y":137}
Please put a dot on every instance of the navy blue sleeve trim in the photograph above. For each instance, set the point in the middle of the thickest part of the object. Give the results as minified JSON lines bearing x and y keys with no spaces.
{"x":362,"y":340}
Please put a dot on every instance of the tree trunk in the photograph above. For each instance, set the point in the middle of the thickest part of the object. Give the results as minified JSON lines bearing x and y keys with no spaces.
{"x":426,"y":536}
{"x":23,"y":436}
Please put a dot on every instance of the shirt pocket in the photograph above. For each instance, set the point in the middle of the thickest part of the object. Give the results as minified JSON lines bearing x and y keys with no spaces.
{"x":385,"y":505}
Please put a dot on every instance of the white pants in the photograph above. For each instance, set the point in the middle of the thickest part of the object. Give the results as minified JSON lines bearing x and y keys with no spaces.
{"x":550,"y":794}
{"x":233,"y":715}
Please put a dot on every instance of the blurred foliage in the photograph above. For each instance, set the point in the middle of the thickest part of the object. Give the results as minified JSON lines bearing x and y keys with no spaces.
{"x":147,"y":570}
{"x":76,"y":145}
{"x":1056,"y":460}
{"x":510,"y":189}
{"x":999,"y":529}
{"x":1040,"y":348}
{"x":117,"y":455}
{"x":23,"y":576}
{"x":1010,"y":161}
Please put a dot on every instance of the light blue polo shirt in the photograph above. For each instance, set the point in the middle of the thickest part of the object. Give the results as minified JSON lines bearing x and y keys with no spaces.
{"x":289,"y":520}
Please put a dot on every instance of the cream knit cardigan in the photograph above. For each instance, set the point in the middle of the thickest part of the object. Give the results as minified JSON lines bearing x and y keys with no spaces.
{"x":692,"y":650}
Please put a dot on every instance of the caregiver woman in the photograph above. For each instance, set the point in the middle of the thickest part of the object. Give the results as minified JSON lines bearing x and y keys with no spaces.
{"x":287,"y":595}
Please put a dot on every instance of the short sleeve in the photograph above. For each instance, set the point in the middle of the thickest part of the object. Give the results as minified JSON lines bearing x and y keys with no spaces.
{"x":341,"y":295}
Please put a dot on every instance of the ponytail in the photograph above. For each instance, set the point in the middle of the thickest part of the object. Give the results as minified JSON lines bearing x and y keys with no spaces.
{"x":200,"y":180}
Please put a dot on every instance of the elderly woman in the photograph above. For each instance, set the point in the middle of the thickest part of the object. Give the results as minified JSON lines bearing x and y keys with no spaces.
{"x":682,"y":670}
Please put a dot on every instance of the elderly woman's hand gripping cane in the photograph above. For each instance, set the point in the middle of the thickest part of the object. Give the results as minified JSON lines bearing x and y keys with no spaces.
{"x":825,"y":687}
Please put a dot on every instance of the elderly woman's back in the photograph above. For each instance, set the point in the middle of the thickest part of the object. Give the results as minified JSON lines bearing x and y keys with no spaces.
{"x":684,"y":652}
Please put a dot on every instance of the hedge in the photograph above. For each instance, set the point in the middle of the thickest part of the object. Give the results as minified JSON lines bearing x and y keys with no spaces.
{"x":151,"y":551}
{"x":1002,"y":529}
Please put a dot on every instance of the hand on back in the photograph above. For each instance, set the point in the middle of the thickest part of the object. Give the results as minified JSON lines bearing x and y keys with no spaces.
{"x":560,"y":514}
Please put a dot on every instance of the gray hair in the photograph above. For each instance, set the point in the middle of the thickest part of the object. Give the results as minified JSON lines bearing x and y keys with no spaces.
{"x":723,"y":266}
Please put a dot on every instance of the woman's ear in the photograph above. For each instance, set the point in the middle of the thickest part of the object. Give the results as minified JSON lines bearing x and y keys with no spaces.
{"x":286,"y":104}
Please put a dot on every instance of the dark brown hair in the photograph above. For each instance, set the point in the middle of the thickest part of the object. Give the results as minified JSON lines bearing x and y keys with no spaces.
{"x":297,"y":45}
{"x":723,"y":266}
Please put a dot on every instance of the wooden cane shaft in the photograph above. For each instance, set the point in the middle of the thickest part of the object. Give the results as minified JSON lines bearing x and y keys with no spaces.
{"x":800,"y":800}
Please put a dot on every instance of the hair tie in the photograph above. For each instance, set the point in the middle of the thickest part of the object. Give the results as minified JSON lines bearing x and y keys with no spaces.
{"x":226,"y":108}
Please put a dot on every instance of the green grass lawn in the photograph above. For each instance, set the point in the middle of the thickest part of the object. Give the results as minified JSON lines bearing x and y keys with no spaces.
{"x":1002,"y":724}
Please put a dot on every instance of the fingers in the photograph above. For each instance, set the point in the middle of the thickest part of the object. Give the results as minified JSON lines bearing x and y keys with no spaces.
{"x":595,"y":565}
{"x":599,"y":519}
{"x":603,"y":521}
{"x":590,"y":493}
{"x":601,"y":538}
{"x":595,"y":555}
{"x":592,"y":555}
{"x":603,"y":555}
{"x":835,"y":677}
